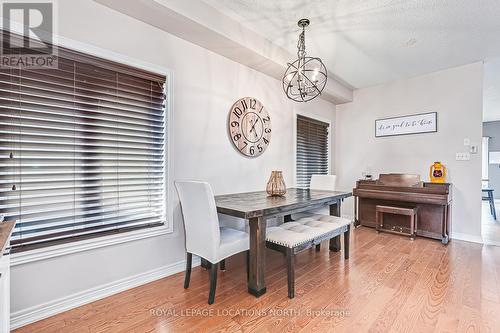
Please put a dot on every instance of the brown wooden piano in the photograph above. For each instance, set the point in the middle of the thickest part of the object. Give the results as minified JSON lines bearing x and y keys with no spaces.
{"x":404,"y":190}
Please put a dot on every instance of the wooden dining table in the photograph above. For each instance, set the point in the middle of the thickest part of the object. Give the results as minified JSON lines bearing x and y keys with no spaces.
{"x":258,"y":207}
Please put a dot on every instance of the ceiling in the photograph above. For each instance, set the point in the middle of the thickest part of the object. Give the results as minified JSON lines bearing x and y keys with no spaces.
{"x":369,"y":42}
{"x":491,"y":90}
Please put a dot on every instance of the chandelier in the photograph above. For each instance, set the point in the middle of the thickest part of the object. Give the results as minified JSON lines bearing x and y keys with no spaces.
{"x":305,"y":78}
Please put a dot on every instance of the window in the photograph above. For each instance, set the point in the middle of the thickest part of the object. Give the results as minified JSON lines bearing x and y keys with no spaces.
{"x":312,"y":149}
{"x":81,"y":150}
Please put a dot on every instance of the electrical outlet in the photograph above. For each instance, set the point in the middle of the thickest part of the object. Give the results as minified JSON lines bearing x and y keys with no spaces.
{"x":473,"y":149}
{"x":462,"y":156}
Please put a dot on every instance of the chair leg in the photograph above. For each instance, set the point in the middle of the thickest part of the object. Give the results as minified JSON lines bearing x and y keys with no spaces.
{"x":248,"y":264}
{"x":492,"y":205}
{"x":347,"y":237}
{"x":223,"y":265}
{"x":318,"y":247}
{"x":290,"y":269}
{"x":213,"y":283}
{"x":187,"y":277}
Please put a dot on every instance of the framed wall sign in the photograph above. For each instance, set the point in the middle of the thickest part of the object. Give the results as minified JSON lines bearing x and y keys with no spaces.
{"x":404,"y":125}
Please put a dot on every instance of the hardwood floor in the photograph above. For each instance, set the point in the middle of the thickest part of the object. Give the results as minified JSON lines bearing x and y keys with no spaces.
{"x":490,"y":228}
{"x":389,"y":284}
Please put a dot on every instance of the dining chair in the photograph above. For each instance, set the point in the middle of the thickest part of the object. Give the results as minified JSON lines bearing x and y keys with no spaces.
{"x":320,"y":183}
{"x":204,"y":235}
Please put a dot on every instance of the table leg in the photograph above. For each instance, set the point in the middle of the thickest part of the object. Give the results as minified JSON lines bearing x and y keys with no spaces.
{"x":335,"y":241}
{"x":356,"y":220}
{"x":346,"y":242}
{"x":256,"y":281}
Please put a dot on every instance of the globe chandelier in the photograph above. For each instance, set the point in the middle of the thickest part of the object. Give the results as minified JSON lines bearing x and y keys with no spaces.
{"x":305,"y":78}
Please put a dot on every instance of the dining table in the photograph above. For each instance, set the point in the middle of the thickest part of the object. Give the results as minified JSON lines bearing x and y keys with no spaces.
{"x":258,"y":207}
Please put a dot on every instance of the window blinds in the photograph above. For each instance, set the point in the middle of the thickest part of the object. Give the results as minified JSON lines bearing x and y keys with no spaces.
{"x":82,"y":149}
{"x":312,"y":150}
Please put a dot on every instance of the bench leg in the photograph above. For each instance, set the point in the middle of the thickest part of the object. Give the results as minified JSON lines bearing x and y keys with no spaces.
{"x":290,"y":270}
{"x":318,"y":247}
{"x":335,"y":244}
{"x":412,"y":227}
{"x":347,"y":236}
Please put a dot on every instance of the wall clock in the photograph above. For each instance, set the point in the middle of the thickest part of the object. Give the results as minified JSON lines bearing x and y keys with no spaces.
{"x":249,"y":126}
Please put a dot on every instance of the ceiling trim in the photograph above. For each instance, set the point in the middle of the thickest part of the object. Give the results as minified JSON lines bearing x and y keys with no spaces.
{"x":199,"y":23}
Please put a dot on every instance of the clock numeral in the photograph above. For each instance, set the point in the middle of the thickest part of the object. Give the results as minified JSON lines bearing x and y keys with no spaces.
{"x":237,"y":137}
{"x":266,"y":141}
{"x":252,"y":150}
{"x":259,"y":147}
{"x":267,"y":130}
{"x":266,"y":119}
{"x":237,"y":112}
{"x":244,"y":104}
{"x":235,"y":124}
{"x":253,"y":103}
{"x":246,"y":144}
{"x":261,"y":108}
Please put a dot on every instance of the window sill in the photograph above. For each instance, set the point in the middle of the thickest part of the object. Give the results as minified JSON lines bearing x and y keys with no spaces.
{"x":85,"y":245}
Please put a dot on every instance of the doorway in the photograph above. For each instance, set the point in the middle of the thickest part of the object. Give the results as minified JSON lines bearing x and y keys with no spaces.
{"x":490,"y":214}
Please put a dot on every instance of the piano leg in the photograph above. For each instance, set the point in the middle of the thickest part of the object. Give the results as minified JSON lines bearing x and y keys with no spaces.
{"x":335,"y":241}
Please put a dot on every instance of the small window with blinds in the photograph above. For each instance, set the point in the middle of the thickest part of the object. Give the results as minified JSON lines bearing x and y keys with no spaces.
{"x":82,"y":150}
{"x":312,"y":149}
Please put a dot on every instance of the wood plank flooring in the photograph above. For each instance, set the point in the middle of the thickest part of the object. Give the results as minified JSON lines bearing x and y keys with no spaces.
{"x":389,"y":284}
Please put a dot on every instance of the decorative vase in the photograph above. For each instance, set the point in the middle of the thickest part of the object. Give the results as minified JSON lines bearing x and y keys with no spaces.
{"x":276,"y":185}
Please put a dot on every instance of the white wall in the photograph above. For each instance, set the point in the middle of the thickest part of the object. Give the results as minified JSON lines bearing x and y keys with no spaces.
{"x":205,"y":86}
{"x":456,"y":95}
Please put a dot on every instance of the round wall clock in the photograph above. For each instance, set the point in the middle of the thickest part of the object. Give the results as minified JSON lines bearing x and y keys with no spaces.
{"x":249,"y":126}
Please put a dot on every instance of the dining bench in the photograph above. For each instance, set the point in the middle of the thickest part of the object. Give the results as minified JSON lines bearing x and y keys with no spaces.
{"x":291,"y":238}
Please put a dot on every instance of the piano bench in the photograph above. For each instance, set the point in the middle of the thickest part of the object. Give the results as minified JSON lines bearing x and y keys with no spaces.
{"x":411,"y":212}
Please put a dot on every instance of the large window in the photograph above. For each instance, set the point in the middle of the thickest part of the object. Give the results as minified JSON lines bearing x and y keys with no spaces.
{"x":82,"y":150}
{"x":312,"y":149}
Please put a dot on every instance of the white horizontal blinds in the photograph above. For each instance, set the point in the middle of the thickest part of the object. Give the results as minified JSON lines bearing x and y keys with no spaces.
{"x":312,"y":149}
{"x":82,"y":149}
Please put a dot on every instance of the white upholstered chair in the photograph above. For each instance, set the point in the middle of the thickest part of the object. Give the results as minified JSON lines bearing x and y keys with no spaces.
{"x":204,"y":236}
{"x":321,"y":183}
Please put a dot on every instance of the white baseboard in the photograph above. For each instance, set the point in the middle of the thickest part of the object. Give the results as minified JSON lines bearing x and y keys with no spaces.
{"x":42,"y":311}
{"x":467,"y":237}
{"x":491,"y":242}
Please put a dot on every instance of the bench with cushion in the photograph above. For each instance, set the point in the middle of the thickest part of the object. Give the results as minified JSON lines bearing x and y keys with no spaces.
{"x":293,"y":237}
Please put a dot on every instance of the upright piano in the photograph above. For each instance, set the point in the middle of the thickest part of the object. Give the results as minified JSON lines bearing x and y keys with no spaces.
{"x":433,"y":201}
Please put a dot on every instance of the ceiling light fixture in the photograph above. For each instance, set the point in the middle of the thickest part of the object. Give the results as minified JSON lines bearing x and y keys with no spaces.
{"x":305,"y":78}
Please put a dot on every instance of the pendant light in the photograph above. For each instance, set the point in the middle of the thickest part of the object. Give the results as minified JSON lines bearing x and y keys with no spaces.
{"x":305,"y":78}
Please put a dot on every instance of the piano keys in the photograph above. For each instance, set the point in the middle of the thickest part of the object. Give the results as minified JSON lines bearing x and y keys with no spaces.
{"x":404,"y":190}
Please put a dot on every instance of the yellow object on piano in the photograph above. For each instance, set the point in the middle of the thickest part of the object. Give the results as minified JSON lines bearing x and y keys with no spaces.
{"x":437,"y":173}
